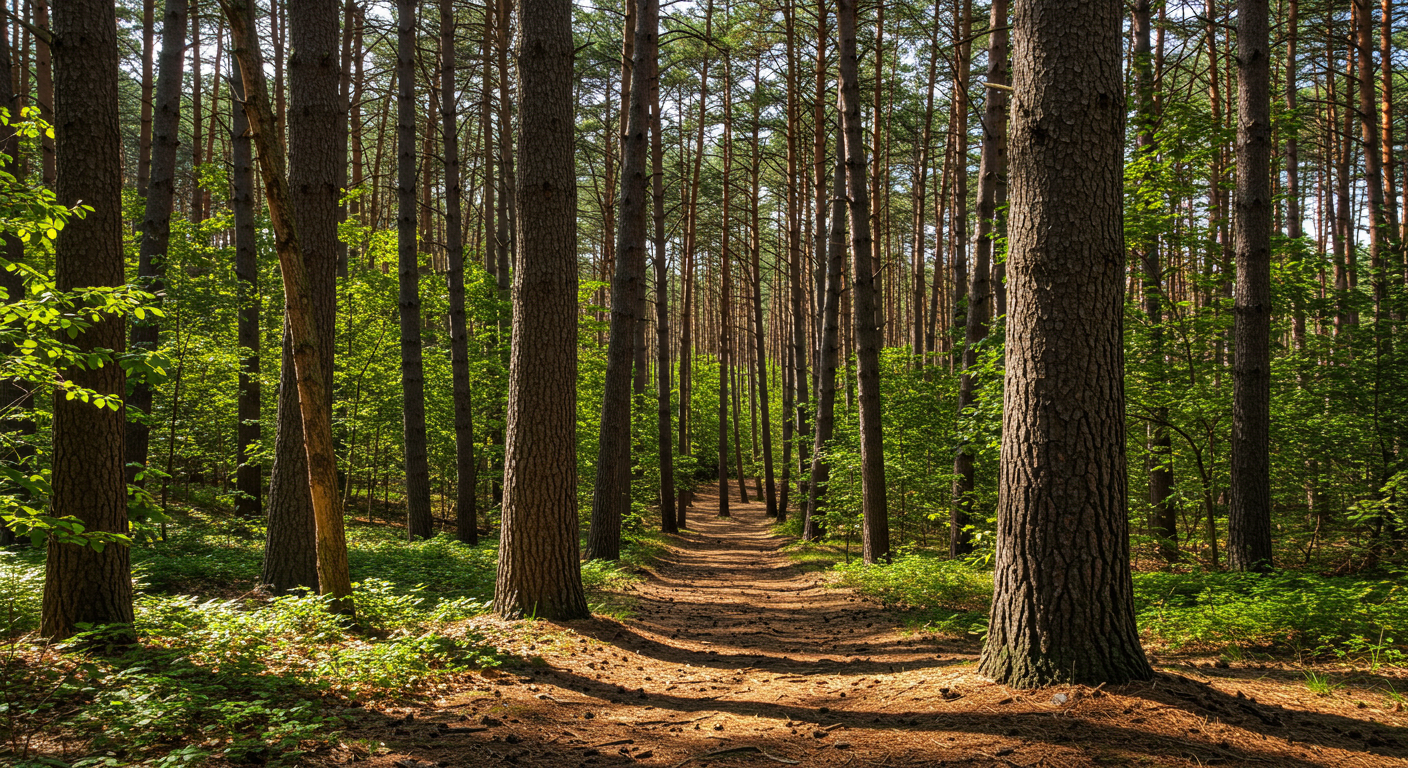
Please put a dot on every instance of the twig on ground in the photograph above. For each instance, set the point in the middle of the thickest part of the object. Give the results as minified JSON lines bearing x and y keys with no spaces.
{"x":737,"y":751}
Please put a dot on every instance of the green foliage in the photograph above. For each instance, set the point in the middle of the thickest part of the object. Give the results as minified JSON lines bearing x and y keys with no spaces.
{"x":1358,"y":620}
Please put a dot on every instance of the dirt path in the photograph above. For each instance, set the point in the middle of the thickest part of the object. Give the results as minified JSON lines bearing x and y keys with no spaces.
{"x":736,"y":656}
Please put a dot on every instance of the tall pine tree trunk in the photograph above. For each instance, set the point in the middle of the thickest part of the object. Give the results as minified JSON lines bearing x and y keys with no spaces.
{"x":466,"y":522}
{"x":1249,"y":511}
{"x":420,"y":523}
{"x":248,"y":471}
{"x":293,"y":553}
{"x":83,"y":585}
{"x":992,"y":177}
{"x":156,"y":219}
{"x":611,"y":495}
{"x":875,"y":533}
{"x":1063,"y":606}
{"x":812,"y":528}
{"x":538,"y":570}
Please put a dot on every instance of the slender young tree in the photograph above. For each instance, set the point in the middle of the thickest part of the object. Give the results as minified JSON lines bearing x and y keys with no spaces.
{"x":992,"y":178}
{"x":875,"y":531}
{"x":1160,"y":444}
{"x":1063,"y":603}
{"x":812,"y":529}
{"x":85,"y":584}
{"x":538,"y":571}
{"x":466,"y":524}
{"x":303,"y":321}
{"x":611,"y":496}
{"x":1249,"y":511}
{"x":19,"y":426}
{"x":420,"y":522}
{"x":144,"y":139}
{"x":156,"y":219}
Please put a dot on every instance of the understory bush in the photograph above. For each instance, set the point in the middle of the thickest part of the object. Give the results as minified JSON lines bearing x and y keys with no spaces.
{"x":1355,"y":619}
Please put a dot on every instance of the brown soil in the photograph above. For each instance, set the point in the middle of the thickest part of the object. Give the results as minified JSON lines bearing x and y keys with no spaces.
{"x":736,"y":656}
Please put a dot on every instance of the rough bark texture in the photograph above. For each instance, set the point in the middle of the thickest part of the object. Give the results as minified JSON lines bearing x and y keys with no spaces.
{"x":466,"y":478}
{"x":420,"y":522}
{"x":611,"y":495}
{"x":812,"y":528}
{"x":291,"y":550}
{"x":539,"y":572}
{"x":1249,"y":511}
{"x":156,"y":220}
{"x":1063,"y":603}
{"x":303,"y":315}
{"x":662,"y":287}
{"x":81,"y":584}
{"x":875,"y":534}
{"x":248,"y":473}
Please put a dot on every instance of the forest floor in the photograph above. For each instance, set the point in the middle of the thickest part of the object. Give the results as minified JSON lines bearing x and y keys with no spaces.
{"x":734,"y":655}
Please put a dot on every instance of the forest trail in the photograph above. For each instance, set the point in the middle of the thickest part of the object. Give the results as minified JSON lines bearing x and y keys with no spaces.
{"x":736,"y":656}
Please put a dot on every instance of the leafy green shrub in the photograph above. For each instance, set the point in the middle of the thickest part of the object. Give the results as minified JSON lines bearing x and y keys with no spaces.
{"x":1357,"y":619}
{"x":1303,"y":612}
{"x":21,"y":590}
{"x":950,"y":596}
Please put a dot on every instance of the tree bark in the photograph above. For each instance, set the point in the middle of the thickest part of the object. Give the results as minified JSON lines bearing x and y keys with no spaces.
{"x":611,"y":495}
{"x":304,"y":307}
{"x":83,"y":584}
{"x":248,"y":472}
{"x":812,"y":528}
{"x":466,"y":479}
{"x":875,"y":532}
{"x":668,"y":522}
{"x":1062,"y":607}
{"x":538,"y":568}
{"x":144,"y":139}
{"x":419,"y":518}
{"x":1249,"y":511}
{"x":992,"y":192}
{"x":156,"y":219}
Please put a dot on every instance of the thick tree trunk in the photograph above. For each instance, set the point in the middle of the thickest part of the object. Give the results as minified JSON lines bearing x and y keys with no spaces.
{"x":875,"y":535}
{"x":1063,"y":602}
{"x":611,"y":495}
{"x":419,"y":518}
{"x":83,"y":584}
{"x":538,"y":568}
{"x":812,"y":527}
{"x":306,"y":307}
{"x":466,"y":479}
{"x":156,"y":219}
{"x":1249,"y":511}
{"x":248,"y":472}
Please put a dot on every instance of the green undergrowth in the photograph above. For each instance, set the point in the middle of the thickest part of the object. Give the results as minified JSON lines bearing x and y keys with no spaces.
{"x":223,"y":672}
{"x":1363,"y":621}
